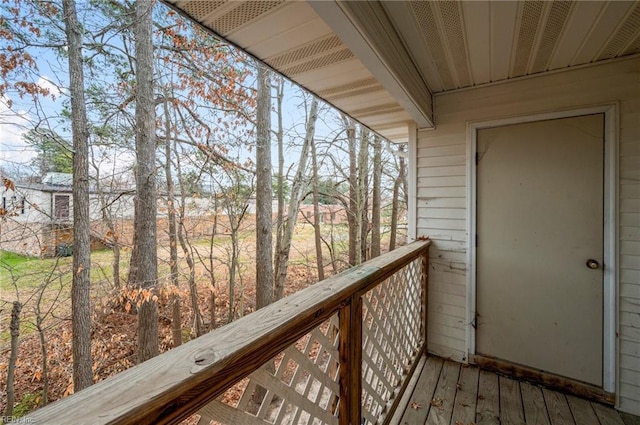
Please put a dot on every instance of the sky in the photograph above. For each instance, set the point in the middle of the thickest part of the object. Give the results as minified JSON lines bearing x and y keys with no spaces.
{"x":17,"y":120}
{"x":16,"y":155}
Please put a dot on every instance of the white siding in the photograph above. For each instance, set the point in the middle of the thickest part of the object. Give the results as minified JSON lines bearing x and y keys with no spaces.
{"x":441,"y":196}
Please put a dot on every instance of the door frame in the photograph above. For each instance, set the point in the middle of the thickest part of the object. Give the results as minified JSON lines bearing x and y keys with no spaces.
{"x":610,"y":203}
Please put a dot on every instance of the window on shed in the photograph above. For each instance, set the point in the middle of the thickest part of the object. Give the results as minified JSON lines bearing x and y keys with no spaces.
{"x":61,"y":207}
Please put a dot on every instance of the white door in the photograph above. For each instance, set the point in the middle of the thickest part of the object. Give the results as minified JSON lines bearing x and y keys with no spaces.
{"x":539,"y":250}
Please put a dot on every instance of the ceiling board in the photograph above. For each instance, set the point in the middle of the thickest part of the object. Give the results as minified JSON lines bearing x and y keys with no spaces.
{"x":290,"y":39}
{"x":606,"y":25}
{"x":409,"y":31}
{"x":503,"y":26}
{"x":476,"y":16}
{"x":583,"y":17}
{"x":399,"y":52}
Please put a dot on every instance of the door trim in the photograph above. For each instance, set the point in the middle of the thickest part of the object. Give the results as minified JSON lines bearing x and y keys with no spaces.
{"x":610,"y":111}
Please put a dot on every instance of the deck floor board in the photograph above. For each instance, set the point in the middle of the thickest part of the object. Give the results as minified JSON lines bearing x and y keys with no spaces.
{"x":511,"y":412}
{"x":464,"y":409}
{"x":558,"y":408}
{"x":535,"y":409}
{"x":443,"y":400}
{"x":582,"y":411}
{"x":449,"y":393}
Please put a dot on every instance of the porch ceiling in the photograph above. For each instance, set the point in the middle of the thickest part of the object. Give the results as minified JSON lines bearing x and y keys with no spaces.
{"x":381,"y":61}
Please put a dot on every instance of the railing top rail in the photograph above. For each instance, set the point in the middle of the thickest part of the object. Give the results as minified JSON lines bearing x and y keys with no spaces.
{"x":175,"y":384}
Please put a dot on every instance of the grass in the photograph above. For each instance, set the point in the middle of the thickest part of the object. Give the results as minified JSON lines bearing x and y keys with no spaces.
{"x":11,"y":259}
{"x":26,"y":273}
{"x":23,"y":278}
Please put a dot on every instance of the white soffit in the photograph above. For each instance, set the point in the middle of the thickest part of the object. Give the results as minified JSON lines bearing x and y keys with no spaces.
{"x":380,"y":61}
{"x":470,"y":43}
{"x":290,"y":37}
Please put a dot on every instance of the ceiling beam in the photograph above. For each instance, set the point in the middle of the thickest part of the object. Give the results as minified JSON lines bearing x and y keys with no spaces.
{"x":370,"y":34}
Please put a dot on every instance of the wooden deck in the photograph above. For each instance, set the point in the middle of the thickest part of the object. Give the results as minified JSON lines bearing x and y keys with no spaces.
{"x":448,"y":393}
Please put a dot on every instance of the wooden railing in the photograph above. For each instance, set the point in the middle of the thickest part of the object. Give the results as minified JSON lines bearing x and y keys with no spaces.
{"x":339,"y":352}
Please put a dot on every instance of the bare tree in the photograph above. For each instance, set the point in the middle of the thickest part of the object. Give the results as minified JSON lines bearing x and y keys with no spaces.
{"x":176,"y":325}
{"x":362,"y":197}
{"x":352,"y":209}
{"x":280,"y":176}
{"x":398,"y":184}
{"x":282,"y":261}
{"x":14,"y":329}
{"x":188,"y":250}
{"x":376,"y":201}
{"x":80,"y":289}
{"x":316,"y":211}
{"x":264,"y":256}
{"x":143,"y":271}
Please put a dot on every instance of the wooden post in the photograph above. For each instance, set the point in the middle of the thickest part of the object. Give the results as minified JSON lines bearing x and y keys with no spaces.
{"x":351,"y":362}
{"x":425,"y":295}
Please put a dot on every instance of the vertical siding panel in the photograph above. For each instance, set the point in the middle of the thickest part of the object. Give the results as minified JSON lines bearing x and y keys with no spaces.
{"x":441,"y":200}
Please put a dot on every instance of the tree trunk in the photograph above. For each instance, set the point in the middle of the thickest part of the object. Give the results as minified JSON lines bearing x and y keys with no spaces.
{"x":362,"y":191}
{"x":80,"y":287}
{"x":396,"y":201}
{"x":280,"y":189}
{"x":108,"y":220}
{"x":176,"y":320}
{"x":45,"y":365}
{"x":316,"y":213}
{"x":214,"y":285}
{"x":352,"y":211}
{"x":143,"y":271}
{"x":43,"y":342}
{"x":116,"y":262}
{"x":232,"y":274}
{"x":188,"y":250}
{"x":14,"y":329}
{"x":264,"y":250}
{"x":282,"y":263}
{"x":376,"y":201}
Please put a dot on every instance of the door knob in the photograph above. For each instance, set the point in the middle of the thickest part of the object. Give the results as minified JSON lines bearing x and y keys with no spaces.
{"x":593,"y":264}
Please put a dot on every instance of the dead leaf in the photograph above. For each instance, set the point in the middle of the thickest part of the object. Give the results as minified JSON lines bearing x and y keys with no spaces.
{"x":437,"y":402}
{"x":8,"y":184}
{"x":415,"y":405}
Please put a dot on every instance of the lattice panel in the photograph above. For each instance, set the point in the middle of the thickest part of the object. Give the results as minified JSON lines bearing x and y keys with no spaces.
{"x":298,"y":387}
{"x":391,"y":337}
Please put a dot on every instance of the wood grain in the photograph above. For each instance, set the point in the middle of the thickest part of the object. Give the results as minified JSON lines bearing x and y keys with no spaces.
{"x":607,"y":416}
{"x":464,"y":409}
{"x":443,"y":399}
{"x":558,"y":408}
{"x":582,"y":411}
{"x":535,"y":410}
{"x":511,"y":411}
{"x":419,"y":404}
{"x":488,"y":407}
